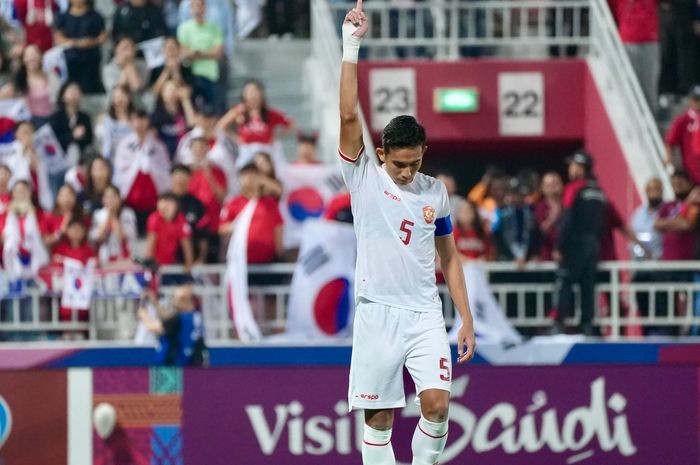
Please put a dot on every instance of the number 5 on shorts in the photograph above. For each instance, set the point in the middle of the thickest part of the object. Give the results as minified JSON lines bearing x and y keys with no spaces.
{"x":444,"y":366}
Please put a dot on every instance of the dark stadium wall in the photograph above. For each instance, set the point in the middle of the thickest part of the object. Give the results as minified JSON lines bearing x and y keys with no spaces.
{"x":574,"y":117}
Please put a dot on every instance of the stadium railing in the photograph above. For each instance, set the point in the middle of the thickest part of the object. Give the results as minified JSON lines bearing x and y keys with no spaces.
{"x":671,"y":290}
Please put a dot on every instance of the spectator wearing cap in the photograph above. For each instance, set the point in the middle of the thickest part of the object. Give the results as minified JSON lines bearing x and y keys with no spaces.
{"x":583,"y":220}
{"x":257,"y":126}
{"x":638,"y":25}
{"x":81,"y":30}
{"x":208,"y":184}
{"x":141,"y":168}
{"x":306,"y":149}
{"x":194,"y":211}
{"x":139,"y":20}
{"x":114,"y":229}
{"x":548,"y":214}
{"x":684,"y":134}
{"x":265,"y":242}
{"x":202,"y":45}
{"x":515,"y":230}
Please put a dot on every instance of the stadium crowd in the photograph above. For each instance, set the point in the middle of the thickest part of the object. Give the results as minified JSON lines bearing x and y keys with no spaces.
{"x":164,"y":172}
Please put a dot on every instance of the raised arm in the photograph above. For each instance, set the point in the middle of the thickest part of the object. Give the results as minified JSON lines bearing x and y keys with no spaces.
{"x":354,"y":28}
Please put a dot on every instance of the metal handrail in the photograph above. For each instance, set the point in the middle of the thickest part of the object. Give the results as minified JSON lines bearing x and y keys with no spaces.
{"x":114,"y":318}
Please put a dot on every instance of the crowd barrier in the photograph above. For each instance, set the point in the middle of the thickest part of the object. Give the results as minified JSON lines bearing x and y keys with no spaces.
{"x":633,"y":298}
{"x":640,"y":408}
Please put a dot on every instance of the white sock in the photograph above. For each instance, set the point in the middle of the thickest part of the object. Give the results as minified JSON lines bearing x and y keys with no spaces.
{"x":376,"y":447}
{"x":428,"y":442}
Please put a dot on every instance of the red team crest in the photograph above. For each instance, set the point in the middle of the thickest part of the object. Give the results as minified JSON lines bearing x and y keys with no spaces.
{"x":429,"y":214}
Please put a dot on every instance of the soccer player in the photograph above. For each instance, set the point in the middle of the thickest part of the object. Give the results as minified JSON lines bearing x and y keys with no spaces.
{"x":401,"y":217}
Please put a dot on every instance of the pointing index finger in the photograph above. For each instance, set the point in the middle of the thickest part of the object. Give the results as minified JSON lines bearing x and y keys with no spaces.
{"x":359,"y":6}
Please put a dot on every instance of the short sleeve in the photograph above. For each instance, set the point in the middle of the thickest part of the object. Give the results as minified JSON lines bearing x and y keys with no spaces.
{"x":230,"y":211}
{"x":182,"y":34}
{"x":152,"y":223}
{"x":275,"y":214}
{"x":674,"y":136}
{"x":279,"y":119}
{"x":443,"y":221}
{"x":354,"y":171}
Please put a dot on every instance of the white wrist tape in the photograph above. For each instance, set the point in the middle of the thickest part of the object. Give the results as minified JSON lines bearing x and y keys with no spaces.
{"x":351,"y":43}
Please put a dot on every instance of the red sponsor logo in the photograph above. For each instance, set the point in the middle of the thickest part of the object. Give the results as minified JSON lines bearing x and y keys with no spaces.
{"x":392,"y":196}
{"x":368,"y":396}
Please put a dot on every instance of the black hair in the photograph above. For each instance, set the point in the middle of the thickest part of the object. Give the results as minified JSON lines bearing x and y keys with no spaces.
{"x":180,"y":168}
{"x":76,"y":221}
{"x":89,"y":190}
{"x":683,"y":174}
{"x":249,"y":168}
{"x":130,"y":108}
{"x":139,"y":113}
{"x":62,"y":92}
{"x":403,"y":132}
{"x":273,"y":173}
{"x":168,"y":196}
{"x":264,"y":111}
{"x":477,"y":223}
{"x":20,"y":81}
{"x":77,"y":212}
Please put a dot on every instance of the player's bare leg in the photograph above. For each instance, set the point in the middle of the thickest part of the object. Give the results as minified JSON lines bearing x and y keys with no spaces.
{"x":376,"y":444}
{"x":430,"y":435}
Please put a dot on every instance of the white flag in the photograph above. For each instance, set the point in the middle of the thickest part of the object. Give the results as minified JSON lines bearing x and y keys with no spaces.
{"x":54,"y":62}
{"x":490,"y":322}
{"x":78,"y":283}
{"x":12,"y":111}
{"x":307,"y":191}
{"x":153,"y":52}
{"x":237,"y":276}
{"x":321,"y":298}
{"x":50,"y":151}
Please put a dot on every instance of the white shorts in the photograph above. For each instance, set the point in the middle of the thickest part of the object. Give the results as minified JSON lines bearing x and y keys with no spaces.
{"x":385,"y":339}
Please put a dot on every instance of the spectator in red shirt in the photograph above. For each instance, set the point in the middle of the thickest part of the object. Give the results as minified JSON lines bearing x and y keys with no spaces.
{"x":208,"y":182}
{"x":548,"y":213}
{"x":638,"y":24}
{"x":306,"y":149}
{"x":685,"y":134}
{"x":256,"y":124}
{"x":265,"y":233}
{"x":471,"y":239}
{"x":141,"y":168}
{"x":36,"y":17}
{"x":169,"y":235}
{"x":73,"y":246}
{"x":55,"y":224}
{"x":270,"y":184}
{"x":677,"y":221}
{"x":5,"y":195}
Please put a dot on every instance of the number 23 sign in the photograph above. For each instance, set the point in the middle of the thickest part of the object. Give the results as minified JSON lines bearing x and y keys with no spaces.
{"x":521,"y":104}
{"x":392,"y":93}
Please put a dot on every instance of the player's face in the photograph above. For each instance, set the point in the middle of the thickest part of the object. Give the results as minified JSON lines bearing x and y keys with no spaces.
{"x":402,"y":164}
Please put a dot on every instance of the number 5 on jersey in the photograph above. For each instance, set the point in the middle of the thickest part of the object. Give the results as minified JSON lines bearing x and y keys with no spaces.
{"x":405,"y":228}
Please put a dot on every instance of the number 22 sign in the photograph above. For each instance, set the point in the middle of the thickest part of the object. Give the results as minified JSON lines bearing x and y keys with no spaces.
{"x":521,"y":104}
{"x":392,"y":93}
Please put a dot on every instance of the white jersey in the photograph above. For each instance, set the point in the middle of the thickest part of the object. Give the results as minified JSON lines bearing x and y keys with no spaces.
{"x":396,"y":228}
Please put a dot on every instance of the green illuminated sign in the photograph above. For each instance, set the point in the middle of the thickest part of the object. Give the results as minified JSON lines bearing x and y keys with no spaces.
{"x":456,"y":100}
